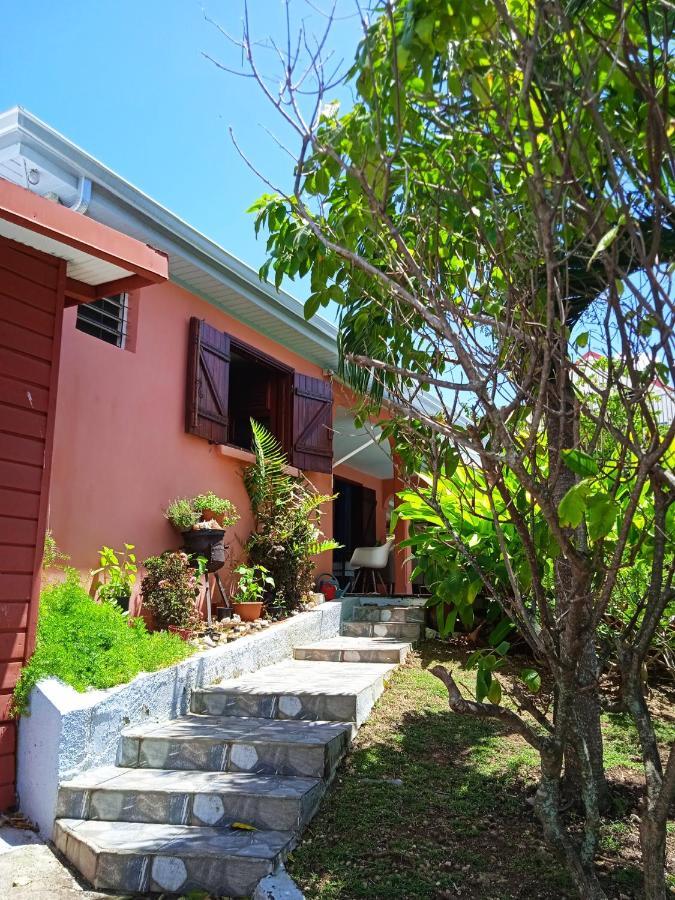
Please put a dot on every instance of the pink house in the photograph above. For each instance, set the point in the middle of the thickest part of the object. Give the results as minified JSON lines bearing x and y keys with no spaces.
{"x":133,"y":351}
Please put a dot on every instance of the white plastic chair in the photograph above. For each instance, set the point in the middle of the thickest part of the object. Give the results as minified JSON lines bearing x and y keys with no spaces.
{"x":370,"y":559}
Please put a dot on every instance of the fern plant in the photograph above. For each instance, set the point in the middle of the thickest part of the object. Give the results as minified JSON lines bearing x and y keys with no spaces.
{"x":287,"y":512}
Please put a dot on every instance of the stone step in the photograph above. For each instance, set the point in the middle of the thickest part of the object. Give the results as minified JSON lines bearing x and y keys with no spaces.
{"x":166,"y":796}
{"x":354,"y":650}
{"x":408,"y":614}
{"x":401,"y":631}
{"x":384,"y":602}
{"x":222,"y":744}
{"x":144,"y":858}
{"x":298,"y":689}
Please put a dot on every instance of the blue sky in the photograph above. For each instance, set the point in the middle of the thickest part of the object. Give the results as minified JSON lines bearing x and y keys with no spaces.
{"x":126,"y":80}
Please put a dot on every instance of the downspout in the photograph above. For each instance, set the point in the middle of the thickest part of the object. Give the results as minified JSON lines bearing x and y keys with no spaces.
{"x":81,"y":202}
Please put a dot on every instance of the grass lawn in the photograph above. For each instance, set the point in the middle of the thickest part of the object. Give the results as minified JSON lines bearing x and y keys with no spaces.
{"x":429,"y":804}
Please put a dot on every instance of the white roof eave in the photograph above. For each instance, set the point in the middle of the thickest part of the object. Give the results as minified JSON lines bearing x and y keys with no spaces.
{"x":119,"y":204}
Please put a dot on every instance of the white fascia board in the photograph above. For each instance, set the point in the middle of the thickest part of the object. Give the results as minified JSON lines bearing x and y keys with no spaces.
{"x":106,"y":208}
{"x":38,"y":138}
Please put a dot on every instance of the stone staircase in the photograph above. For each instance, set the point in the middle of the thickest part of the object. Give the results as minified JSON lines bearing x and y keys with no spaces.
{"x":257,"y":751}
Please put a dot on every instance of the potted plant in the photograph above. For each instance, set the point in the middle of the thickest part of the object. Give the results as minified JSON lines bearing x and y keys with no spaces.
{"x":252,"y":583}
{"x":114,"y":580}
{"x":170,"y":590}
{"x":182,"y":514}
{"x":202,"y":536}
{"x":214,"y":508}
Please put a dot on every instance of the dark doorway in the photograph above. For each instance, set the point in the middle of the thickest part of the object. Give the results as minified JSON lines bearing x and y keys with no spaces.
{"x":353,"y":520}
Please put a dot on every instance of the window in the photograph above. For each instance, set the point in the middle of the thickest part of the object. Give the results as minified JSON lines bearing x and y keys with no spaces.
{"x":105,"y":319}
{"x":229,"y":383}
{"x":258,"y":390}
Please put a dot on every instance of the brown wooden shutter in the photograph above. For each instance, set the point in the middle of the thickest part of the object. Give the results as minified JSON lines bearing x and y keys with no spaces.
{"x":312,"y":424}
{"x":208,"y":379}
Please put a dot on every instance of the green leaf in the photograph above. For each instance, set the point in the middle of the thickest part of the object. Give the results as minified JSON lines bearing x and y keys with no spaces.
{"x":425,"y":29}
{"x":499,"y":632}
{"x":448,"y":626}
{"x":579,"y":462}
{"x":582,"y":340}
{"x":312,"y":305}
{"x":573,"y":505}
{"x":531,"y":679}
{"x":601,"y":515}
{"x":473,"y":589}
{"x":483,"y":682}
{"x":494,"y":693}
{"x":604,"y":243}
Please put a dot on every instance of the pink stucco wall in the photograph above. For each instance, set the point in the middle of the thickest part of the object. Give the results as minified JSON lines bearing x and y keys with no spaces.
{"x":120,"y":447}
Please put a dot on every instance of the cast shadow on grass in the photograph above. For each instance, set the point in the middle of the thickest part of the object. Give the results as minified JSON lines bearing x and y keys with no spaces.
{"x":422,"y":813}
{"x":430,"y":803}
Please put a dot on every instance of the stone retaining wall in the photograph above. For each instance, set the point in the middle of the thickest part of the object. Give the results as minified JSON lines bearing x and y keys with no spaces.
{"x":67,"y":732}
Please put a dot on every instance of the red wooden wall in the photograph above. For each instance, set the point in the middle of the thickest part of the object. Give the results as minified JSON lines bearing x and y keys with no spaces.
{"x":31,"y":312}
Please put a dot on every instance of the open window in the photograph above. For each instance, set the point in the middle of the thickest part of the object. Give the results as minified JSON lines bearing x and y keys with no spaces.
{"x":259,"y":388}
{"x":230,"y":382}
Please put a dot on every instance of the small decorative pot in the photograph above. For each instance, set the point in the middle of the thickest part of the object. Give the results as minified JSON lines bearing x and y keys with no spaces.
{"x":185,"y":633}
{"x":249,"y":612}
{"x":224,"y":612}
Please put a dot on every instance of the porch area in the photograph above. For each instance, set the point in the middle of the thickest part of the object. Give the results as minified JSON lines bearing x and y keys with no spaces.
{"x":366,"y":482}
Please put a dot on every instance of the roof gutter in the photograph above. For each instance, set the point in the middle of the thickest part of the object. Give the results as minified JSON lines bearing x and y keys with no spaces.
{"x":83,"y":199}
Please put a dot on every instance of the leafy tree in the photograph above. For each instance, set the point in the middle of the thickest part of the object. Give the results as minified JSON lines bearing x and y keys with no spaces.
{"x":498,"y":199}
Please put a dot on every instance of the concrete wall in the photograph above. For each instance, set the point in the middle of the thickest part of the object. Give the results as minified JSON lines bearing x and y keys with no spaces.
{"x":68,"y":732}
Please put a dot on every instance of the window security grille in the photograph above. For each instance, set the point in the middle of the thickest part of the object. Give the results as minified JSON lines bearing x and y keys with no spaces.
{"x":105,"y":319}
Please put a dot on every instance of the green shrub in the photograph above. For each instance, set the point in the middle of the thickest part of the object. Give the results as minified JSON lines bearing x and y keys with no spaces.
{"x":287,"y":513}
{"x":170,"y":590}
{"x":91,"y":645}
{"x":53,"y":557}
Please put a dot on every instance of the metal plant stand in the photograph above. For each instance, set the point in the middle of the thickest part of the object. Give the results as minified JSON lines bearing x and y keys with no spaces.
{"x":211,"y":548}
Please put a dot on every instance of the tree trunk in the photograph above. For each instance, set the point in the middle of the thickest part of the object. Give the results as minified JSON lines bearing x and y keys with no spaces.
{"x":577,"y":650}
{"x":547,"y":807}
{"x":653,"y":845}
{"x":659,"y":785}
{"x":587,"y":743}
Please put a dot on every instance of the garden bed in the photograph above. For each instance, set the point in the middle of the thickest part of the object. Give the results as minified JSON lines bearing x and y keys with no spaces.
{"x":433,"y":805}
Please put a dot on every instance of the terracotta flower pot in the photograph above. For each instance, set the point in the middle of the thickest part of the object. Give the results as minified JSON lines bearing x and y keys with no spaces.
{"x":208,"y":515}
{"x":185,"y":633}
{"x":148,"y":617}
{"x":249,"y":612}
